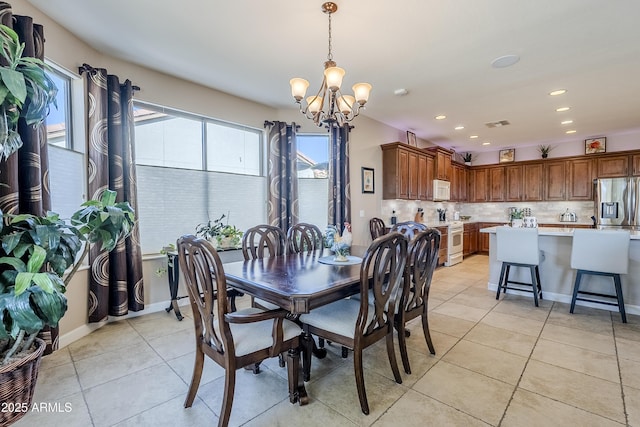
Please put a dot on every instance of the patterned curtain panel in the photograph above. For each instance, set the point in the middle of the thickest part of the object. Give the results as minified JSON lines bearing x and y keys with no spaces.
{"x":116,"y":284}
{"x":282,"y":208}
{"x":339,"y":181}
{"x":24,"y":176}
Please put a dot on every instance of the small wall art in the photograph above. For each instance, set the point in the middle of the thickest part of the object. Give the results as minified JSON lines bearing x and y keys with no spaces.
{"x":368,"y":180}
{"x":595,"y":145}
{"x":506,"y":156}
{"x":411,"y":139}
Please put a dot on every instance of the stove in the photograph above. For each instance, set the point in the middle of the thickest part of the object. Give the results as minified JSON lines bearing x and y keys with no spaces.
{"x":454,"y":243}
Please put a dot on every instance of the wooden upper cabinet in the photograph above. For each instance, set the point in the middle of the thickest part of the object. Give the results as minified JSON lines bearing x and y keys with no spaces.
{"x":612,"y":167}
{"x":442,"y":163}
{"x":554,"y":177}
{"x":532,"y":182}
{"x":497,"y":182}
{"x":423,"y":182}
{"x":430,"y":174}
{"x":407,"y":172}
{"x":478,"y":185}
{"x":580,"y":182}
{"x":513,"y":183}
{"x":413,"y":175}
{"x":635,"y":165}
{"x":458,"y":183}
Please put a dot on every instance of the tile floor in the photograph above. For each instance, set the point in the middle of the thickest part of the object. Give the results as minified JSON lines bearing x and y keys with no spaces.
{"x":503,"y":363}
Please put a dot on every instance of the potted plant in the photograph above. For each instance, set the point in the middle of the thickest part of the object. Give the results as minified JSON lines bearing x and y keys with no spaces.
{"x":25,"y":91}
{"x":517,"y":217}
{"x":468,"y":158}
{"x":221,"y":235}
{"x":544,"y":150}
{"x":38,"y":257}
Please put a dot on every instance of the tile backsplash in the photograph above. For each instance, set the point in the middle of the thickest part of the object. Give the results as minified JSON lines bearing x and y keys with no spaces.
{"x":545,"y":212}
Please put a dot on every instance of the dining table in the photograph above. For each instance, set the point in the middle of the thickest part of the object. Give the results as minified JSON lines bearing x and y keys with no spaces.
{"x":298,"y":283}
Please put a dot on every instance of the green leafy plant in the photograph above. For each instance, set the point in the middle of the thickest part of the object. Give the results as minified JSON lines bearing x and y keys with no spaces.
{"x":517,"y":214}
{"x":38,"y":258}
{"x":221,"y":234}
{"x":544,"y":150}
{"x":467,"y":157}
{"x":25,"y":91}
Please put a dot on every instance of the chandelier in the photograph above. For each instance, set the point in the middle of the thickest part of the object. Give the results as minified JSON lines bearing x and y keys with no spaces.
{"x":329,"y":105}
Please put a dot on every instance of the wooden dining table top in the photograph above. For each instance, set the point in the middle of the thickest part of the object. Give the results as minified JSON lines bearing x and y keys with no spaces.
{"x":296,"y":282}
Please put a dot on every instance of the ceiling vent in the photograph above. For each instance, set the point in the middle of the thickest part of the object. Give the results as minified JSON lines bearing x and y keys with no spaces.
{"x":497,"y":124}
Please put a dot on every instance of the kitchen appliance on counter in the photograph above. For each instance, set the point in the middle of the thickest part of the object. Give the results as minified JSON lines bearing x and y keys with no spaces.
{"x":442,"y":214}
{"x":454,"y":243}
{"x":617,"y":202}
{"x":568,"y":216}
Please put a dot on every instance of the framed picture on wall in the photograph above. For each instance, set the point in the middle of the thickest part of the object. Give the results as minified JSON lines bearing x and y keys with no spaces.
{"x":411,"y":139}
{"x":368,"y":181}
{"x":506,"y":156}
{"x":595,"y":145}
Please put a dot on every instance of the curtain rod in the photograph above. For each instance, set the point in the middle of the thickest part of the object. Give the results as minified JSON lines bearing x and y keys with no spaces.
{"x":268,"y":123}
{"x":86,"y":68}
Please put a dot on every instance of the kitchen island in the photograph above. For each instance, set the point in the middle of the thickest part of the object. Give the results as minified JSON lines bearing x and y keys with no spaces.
{"x":557,"y":276}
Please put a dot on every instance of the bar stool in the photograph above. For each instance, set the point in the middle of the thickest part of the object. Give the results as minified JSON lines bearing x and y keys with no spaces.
{"x":600,"y":253}
{"x":518,"y":247}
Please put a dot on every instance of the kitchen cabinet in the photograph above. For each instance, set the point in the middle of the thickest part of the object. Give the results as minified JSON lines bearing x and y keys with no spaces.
{"x":478,"y":184}
{"x":612,"y":167}
{"x":580,"y":179}
{"x":407,"y":172}
{"x":513,"y":183}
{"x":483,"y":238}
{"x":496,"y":184}
{"x":532,"y":183}
{"x":444,"y":244}
{"x":458,"y":183}
{"x":554,"y":177}
{"x":635,"y":165}
{"x":470,"y":238}
{"x":443,"y":168}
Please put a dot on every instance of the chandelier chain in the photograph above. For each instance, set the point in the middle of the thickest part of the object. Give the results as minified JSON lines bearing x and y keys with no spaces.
{"x":330,"y":55}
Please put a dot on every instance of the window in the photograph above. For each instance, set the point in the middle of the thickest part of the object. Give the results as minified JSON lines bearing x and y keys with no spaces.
{"x":313,"y":182}
{"x":192,"y":169}
{"x":59,"y":119}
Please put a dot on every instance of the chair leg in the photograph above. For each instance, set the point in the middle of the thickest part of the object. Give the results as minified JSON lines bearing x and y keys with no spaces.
{"x":320,"y":342}
{"x":227,"y":400}
{"x":345,"y":352}
{"x":576,"y":288}
{"x":402,"y":343}
{"x":195,"y":378}
{"x":538,"y":280}
{"x":281,"y":360}
{"x":618,"y":285}
{"x":362,"y":392}
{"x":506,"y":278}
{"x":534,"y":284}
{"x":391,"y":352}
{"x":427,"y":334}
{"x":502,"y":271}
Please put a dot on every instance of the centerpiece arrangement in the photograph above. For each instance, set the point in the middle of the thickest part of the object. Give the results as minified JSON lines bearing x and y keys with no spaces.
{"x":517,"y":217}
{"x":339,"y":244}
{"x":221,"y":235}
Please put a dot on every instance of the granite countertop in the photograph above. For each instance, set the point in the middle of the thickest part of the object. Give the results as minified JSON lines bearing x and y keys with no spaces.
{"x":559,"y":231}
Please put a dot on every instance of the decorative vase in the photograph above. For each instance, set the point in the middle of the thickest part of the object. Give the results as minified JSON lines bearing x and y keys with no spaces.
{"x":467,"y":163}
{"x":517,"y":222}
{"x":545,"y":155}
{"x":17,"y":383}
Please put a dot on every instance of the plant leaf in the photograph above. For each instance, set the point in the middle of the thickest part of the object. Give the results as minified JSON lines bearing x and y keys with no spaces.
{"x":21,"y":313}
{"x":14,"y":80}
{"x":50,"y":306}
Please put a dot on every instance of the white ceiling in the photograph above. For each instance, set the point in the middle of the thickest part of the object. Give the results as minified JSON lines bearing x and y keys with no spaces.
{"x":440,"y":51}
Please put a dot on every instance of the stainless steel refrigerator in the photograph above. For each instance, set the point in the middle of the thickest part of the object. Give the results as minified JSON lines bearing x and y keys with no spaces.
{"x":618,"y":202}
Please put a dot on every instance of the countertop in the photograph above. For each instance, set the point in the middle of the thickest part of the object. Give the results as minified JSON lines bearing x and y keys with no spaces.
{"x":560,"y":231}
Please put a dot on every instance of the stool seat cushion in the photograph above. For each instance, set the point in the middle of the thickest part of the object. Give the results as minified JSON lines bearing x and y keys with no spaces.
{"x":517,"y":245}
{"x":605,"y":251}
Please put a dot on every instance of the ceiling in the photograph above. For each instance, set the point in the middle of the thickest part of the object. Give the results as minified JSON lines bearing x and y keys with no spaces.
{"x":439,"y":51}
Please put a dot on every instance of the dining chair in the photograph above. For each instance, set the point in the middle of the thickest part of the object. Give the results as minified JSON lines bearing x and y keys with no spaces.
{"x":263,"y":241}
{"x":409,"y":228}
{"x":422,"y":259}
{"x":376,"y":228}
{"x":357,"y":324}
{"x":232,"y":339}
{"x":303,"y":237}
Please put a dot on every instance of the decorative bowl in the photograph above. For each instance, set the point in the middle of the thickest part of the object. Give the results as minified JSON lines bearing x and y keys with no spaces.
{"x":465,"y":217}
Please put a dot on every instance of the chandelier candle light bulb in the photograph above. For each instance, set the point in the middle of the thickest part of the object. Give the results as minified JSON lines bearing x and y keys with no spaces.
{"x":339,"y":108}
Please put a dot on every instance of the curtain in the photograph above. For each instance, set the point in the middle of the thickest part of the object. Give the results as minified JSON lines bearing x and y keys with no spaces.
{"x":282,"y":175}
{"x":116,"y":284}
{"x":339,"y":181}
{"x":24,"y":176}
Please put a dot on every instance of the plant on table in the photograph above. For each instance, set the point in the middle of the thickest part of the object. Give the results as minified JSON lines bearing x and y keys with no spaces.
{"x":38,"y":258}
{"x":221,"y":235}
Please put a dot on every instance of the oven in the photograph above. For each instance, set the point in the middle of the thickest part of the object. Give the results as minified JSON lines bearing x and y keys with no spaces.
{"x":454,"y":245}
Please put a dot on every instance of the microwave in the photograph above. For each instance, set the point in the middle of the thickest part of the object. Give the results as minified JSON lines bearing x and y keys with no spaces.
{"x":441,"y":190}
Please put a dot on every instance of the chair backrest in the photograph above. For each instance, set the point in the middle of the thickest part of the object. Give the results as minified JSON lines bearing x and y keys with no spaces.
{"x":409,"y":228}
{"x":605,"y":251}
{"x":304,"y":237}
{"x":376,"y":228}
{"x":263,"y":241}
{"x":518,"y":245}
{"x":382,"y":271}
{"x":422,"y":259}
{"x":207,"y":288}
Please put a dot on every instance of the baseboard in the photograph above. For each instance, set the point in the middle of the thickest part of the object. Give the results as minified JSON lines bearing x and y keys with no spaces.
{"x":630,"y":309}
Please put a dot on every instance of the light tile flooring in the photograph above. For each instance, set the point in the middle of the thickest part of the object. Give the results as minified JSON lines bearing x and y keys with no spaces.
{"x":503,"y":363}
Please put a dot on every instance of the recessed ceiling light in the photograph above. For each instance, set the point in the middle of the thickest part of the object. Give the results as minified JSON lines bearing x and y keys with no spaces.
{"x":566,"y":122}
{"x":473,"y":136}
{"x":486,"y":143}
{"x":459,"y":127}
{"x":557,"y":92}
{"x":505,"y":61}
{"x":561,"y":109}
{"x":571,"y":131}
{"x":440,"y":117}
